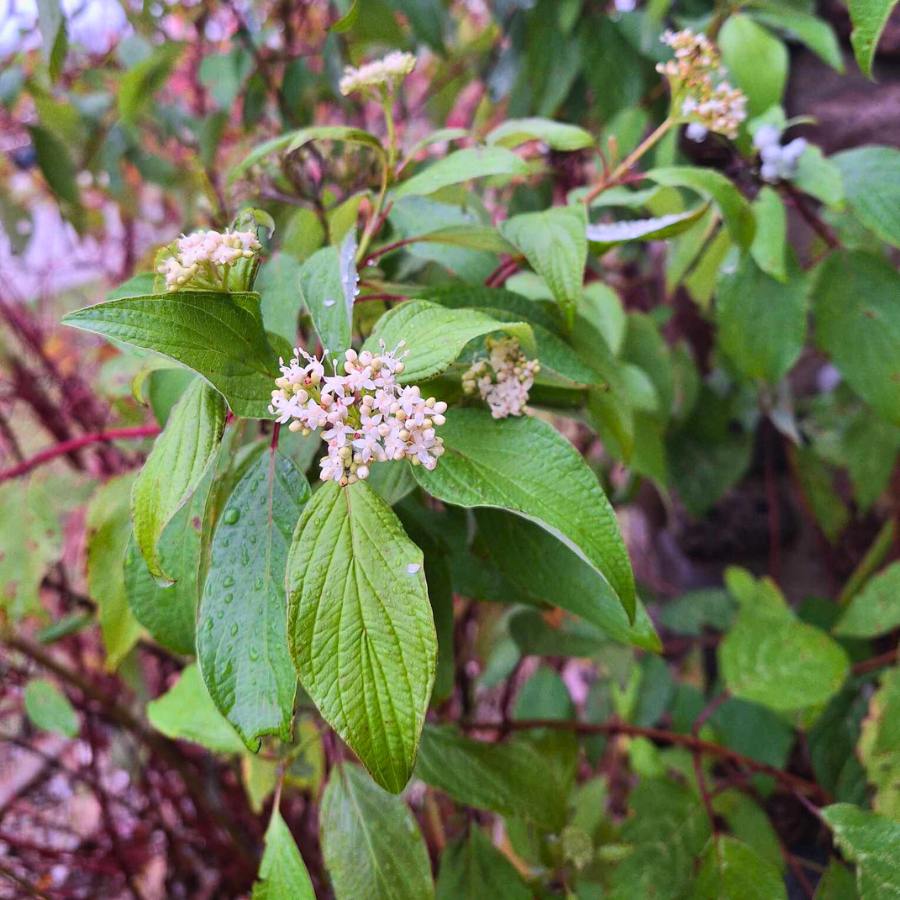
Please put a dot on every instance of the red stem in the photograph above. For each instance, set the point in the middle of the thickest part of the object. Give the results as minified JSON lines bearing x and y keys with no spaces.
{"x":64,"y":447}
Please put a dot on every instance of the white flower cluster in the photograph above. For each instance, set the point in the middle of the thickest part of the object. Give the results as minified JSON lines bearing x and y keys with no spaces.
{"x":365,"y":415}
{"x":201,"y":258}
{"x":504,"y":379}
{"x":382,"y":73}
{"x":707,"y":102}
{"x":777,"y":162}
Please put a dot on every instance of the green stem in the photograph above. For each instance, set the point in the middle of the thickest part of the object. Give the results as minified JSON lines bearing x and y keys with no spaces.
{"x":875,"y":555}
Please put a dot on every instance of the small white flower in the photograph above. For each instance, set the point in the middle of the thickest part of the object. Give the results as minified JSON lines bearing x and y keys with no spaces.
{"x":382,"y":73}
{"x":503,"y":381}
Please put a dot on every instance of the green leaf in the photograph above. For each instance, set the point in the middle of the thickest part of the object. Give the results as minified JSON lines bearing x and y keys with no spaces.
{"x":733,"y":871}
{"x":294,"y":140}
{"x":55,"y":163}
{"x":750,"y":302}
{"x":371,"y":842}
{"x":771,"y":658}
{"x":871,"y":177}
{"x":556,"y":135}
{"x":241,"y":636}
{"x":278,"y":283}
{"x":548,"y":570}
{"x":506,"y":464}
{"x":697,"y":610}
{"x":879,"y":745}
{"x":735,"y":209}
{"x":869,"y":18}
{"x":54,"y":35}
{"x":837,"y":883}
{"x":49,"y":709}
{"x":609,"y":234}
{"x":769,"y":248}
{"x":169,"y":613}
{"x":31,"y":539}
{"x":323,"y":292}
{"x":875,"y":610}
{"x":873,"y":843}
{"x":176,"y":465}
{"x":140,"y":83}
{"x":360,"y":626}
{"x":756,"y":59}
{"x":463,"y":165}
{"x":186,"y":712}
{"x":108,"y":532}
{"x":857,"y":321}
{"x":216,"y":335}
{"x":392,"y":482}
{"x":819,"y":177}
{"x":436,"y":335}
{"x":555,"y":244}
{"x":282,"y":872}
{"x":472,"y":868}
{"x":513,"y":779}
{"x":809,"y":29}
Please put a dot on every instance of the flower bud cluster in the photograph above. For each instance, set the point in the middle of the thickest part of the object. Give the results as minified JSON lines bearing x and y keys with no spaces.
{"x":382,"y":73}
{"x":707,"y":102}
{"x":778,"y":162}
{"x":201,"y":258}
{"x":503,"y":379}
{"x":365,"y":416}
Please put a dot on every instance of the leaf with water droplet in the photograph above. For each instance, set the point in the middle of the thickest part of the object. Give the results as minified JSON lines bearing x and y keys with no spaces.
{"x":262,"y":703}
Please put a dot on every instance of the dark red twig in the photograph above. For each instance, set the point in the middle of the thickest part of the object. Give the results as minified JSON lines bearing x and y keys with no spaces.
{"x":64,"y":447}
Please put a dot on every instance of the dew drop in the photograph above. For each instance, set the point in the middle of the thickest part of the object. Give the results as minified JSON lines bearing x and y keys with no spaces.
{"x":328,"y":302}
{"x":231,"y":516}
{"x":412,"y":568}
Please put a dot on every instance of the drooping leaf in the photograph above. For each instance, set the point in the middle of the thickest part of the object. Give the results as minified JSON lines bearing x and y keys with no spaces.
{"x":214,"y":334}
{"x":869,"y":18}
{"x":875,"y":609}
{"x":512,"y":779}
{"x":49,"y":709}
{"x":733,"y":871}
{"x":512,"y":464}
{"x":873,"y":843}
{"x":186,"y":712}
{"x":323,"y":293}
{"x":556,"y":135}
{"x":173,"y":470}
{"x":472,"y":868}
{"x":463,"y":165}
{"x":282,"y":872}
{"x":858,"y":324}
{"x":108,"y":532}
{"x":360,"y":626}
{"x":750,"y":302}
{"x":605,"y":235}
{"x":815,"y":33}
{"x":871,"y":177}
{"x":278,"y":283}
{"x":435,"y":335}
{"x":546,"y":569}
{"x":756,"y":59}
{"x":769,"y":248}
{"x":879,"y":745}
{"x":371,"y":841}
{"x":54,"y":35}
{"x":241,"y":636}
{"x":555,"y":244}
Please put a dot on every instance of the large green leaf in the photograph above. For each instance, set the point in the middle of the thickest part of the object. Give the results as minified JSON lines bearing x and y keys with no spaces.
{"x":436,"y":335}
{"x":323,"y":293}
{"x":371,"y":842}
{"x":733,"y":871}
{"x":526,"y":466}
{"x":241,"y":637}
{"x":186,"y":712}
{"x":278,"y":283}
{"x":872,"y":188}
{"x":816,"y":33}
{"x":360,"y":626}
{"x":216,"y":335}
{"x":512,"y":779}
{"x":548,"y":570}
{"x":879,"y":745}
{"x":751,"y":303}
{"x":555,"y":244}
{"x":108,"y":533}
{"x":48,"y":708}
{"x":735,"y":209}
{"x":756,"y":59}
{"x":54,"y":35}
{"x":176,"y":465}
{"x":463,"y":165}
{"x":556,"y":135}
{"x":857,"y":321}
{"x":282,"y":872}
{"x":875,"y":609}
{"x":769,"y":248}
{"x":472,"y":868}
{"x":873,"y":843}
{"x":869,"y":18}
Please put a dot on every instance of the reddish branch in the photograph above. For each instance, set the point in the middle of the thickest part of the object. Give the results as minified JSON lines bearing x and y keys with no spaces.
{"x":695,"y":744}
{"x":61,"y":449}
